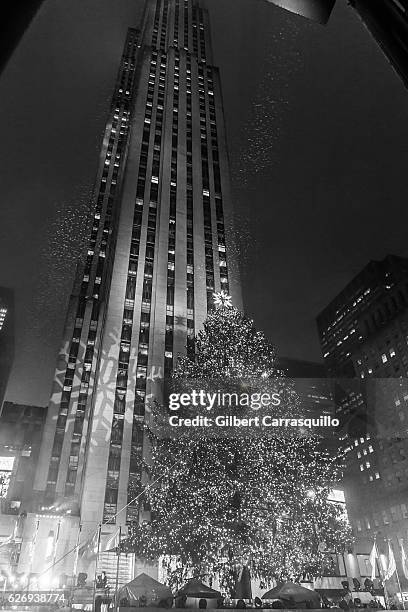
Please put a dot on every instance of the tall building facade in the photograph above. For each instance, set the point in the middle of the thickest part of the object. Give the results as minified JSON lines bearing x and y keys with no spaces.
{"x":160,"y":244}
{"x":6,"y":339}
{"x":364,"y":339}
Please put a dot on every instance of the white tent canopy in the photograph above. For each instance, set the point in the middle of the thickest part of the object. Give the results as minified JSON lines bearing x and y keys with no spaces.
{"x":146,"y":587}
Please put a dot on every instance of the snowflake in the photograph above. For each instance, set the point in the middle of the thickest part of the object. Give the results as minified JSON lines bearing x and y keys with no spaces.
{"x":222,"y":299}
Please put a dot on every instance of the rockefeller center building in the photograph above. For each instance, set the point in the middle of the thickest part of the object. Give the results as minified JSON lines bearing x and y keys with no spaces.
{"x":159,"y":246}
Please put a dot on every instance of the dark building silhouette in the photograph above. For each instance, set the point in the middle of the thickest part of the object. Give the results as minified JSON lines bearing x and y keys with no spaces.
{"x":16,"y":18}
{"x":6,"y":338}
{"x":311,"y":383}
{"x":386,"y":20}
{"x":21,"y":429}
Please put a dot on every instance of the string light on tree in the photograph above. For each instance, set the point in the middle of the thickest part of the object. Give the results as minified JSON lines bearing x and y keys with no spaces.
{"x":245,"y":499}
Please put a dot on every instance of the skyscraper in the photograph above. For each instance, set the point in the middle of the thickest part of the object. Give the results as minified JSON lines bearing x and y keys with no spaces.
{"x":160,"y":244}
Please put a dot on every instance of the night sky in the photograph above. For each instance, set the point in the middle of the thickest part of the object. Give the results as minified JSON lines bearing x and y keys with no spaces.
{"x":318,"y":136}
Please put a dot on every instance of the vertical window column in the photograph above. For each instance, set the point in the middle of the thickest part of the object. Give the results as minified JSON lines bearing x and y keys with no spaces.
{"x":208,"y":238}
{"x":219,"y":212}
{"x":135,"y":467}
{"x":171,"y":247}
{"x":190,"y":219}
{"x":92,"y":279}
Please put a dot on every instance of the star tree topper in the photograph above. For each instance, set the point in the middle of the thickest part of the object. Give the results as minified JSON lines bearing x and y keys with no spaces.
{"x":222,"y":299}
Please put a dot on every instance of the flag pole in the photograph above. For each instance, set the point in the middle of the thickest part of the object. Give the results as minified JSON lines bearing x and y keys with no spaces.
{"x":117,"y":570}
{"x":381,"y":574}
{"x":399,"y":586}
{"x":400,"y":590}
{"x":54,"y":556}
{"x":75,"y":567}
{"x":403,"y":559}
{"x":96,"y":565}
{"x":33,"y":545}
{"x":373,"y":558}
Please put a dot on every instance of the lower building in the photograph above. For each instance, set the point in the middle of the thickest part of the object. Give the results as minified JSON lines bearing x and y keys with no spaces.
{"x":21,"y":429}
{"x":6,"y":339}
{"x":311,"y":383}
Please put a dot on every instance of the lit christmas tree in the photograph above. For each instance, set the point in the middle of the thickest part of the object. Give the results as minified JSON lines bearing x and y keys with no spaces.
{"x":247,"y":499}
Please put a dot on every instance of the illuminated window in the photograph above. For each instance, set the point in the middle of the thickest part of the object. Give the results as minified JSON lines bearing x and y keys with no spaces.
{"x":3,"y":312}
{"x":6,"y":467}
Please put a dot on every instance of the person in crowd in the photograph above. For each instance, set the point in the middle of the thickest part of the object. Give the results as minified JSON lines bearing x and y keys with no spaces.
{"x":180,"y":601}
{"x":143,"y":601}
{"x":98,"y":603}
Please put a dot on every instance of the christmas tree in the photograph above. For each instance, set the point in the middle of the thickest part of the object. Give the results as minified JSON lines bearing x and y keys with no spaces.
{"x":244,"y":500}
